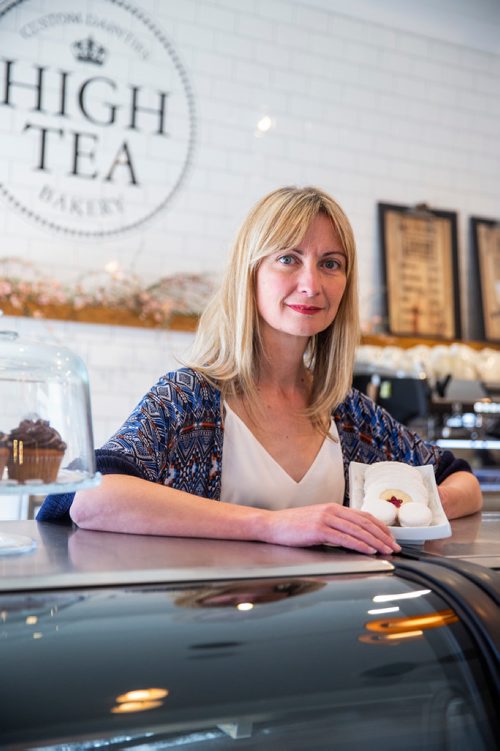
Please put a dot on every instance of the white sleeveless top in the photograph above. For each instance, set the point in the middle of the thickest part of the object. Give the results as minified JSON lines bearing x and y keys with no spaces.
{"x":251,"y":477}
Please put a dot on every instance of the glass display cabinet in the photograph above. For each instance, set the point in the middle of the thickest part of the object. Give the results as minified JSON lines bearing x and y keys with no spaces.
{"x":46,"y":441}
{"x":153,"y":643}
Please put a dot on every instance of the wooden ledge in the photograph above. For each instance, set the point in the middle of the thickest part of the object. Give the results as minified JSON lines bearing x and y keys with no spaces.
{"x":111,"y":316}
{"x":405,"y":342}
{"x":101,"y":314}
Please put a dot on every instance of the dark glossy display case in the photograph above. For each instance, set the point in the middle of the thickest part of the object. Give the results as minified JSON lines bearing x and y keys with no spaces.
{"x":122,"y":641}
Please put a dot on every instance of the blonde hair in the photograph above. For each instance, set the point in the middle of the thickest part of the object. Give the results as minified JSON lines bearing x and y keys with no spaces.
{"x":228,"y":348}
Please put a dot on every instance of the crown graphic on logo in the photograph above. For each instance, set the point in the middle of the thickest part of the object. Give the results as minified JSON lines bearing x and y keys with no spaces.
{"x":88,"y":51}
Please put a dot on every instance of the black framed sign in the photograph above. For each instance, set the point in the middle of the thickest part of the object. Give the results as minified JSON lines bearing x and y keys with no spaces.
{"x":420,"y":260}
{"x":486,"y":249}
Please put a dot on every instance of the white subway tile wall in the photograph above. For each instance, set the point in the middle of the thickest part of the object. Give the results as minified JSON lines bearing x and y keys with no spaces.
{"x":367,"y":111}
{"x":122,"y":362}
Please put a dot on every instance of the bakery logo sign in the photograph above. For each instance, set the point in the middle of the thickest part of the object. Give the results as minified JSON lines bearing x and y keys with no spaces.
{"x":96,"y":115}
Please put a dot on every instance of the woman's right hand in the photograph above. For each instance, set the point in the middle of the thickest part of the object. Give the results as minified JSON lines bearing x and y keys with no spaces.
{"x":330,"y":524}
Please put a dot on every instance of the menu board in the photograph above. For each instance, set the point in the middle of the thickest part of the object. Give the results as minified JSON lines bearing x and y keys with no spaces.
{"x":420,"y":271}
{"x":486,"y":234}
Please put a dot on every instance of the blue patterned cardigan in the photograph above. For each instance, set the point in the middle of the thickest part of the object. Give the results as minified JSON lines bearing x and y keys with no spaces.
{"x":175,"y":437}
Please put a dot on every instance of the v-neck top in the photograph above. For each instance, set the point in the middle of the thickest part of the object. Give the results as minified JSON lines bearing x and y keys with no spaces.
{"x":251,"y":477}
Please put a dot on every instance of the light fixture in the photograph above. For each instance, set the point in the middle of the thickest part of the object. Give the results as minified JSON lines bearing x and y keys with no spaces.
{"x":112,"y":266}
{"x":265,"y":124}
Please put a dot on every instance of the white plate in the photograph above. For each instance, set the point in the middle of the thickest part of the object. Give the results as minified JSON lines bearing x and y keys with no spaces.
{"x":439,"y":527}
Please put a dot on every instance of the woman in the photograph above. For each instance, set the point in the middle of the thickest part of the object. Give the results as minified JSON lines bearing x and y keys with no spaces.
{"x":270,"y":385}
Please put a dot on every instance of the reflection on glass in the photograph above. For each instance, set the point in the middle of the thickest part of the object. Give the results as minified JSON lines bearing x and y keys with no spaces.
{"x":401,"y":596}
{"x":399,"y":625}
{"x":135,"y":706}
{"x":139,"y":700}
{"x":244,"y":595}
{"x":292,"y":670}
{"x":392,"y":630}
{"x":142,"y":694}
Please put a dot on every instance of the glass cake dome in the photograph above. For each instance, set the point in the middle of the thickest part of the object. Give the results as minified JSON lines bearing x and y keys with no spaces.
{"x":46,"y":441}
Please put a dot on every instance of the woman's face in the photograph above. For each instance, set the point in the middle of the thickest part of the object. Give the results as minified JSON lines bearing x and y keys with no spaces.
{"x":299,"y":290}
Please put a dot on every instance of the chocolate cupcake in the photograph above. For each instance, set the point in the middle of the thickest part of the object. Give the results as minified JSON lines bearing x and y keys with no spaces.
{"x":4,"y":451}
{"x":36,"y":452}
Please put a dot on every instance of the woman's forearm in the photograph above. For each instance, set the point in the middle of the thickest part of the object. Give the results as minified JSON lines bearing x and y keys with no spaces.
{"x":460,"y":495}
{"x":129,"y":504}
{"x":123,"y":503}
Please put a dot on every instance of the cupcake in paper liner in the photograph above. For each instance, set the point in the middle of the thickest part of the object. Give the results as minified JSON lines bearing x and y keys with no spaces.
{"x":4,"y":451}
{"x":36,"y":452}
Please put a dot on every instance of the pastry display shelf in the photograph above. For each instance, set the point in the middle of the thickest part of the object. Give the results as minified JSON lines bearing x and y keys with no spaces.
{"x":68,"y":481}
